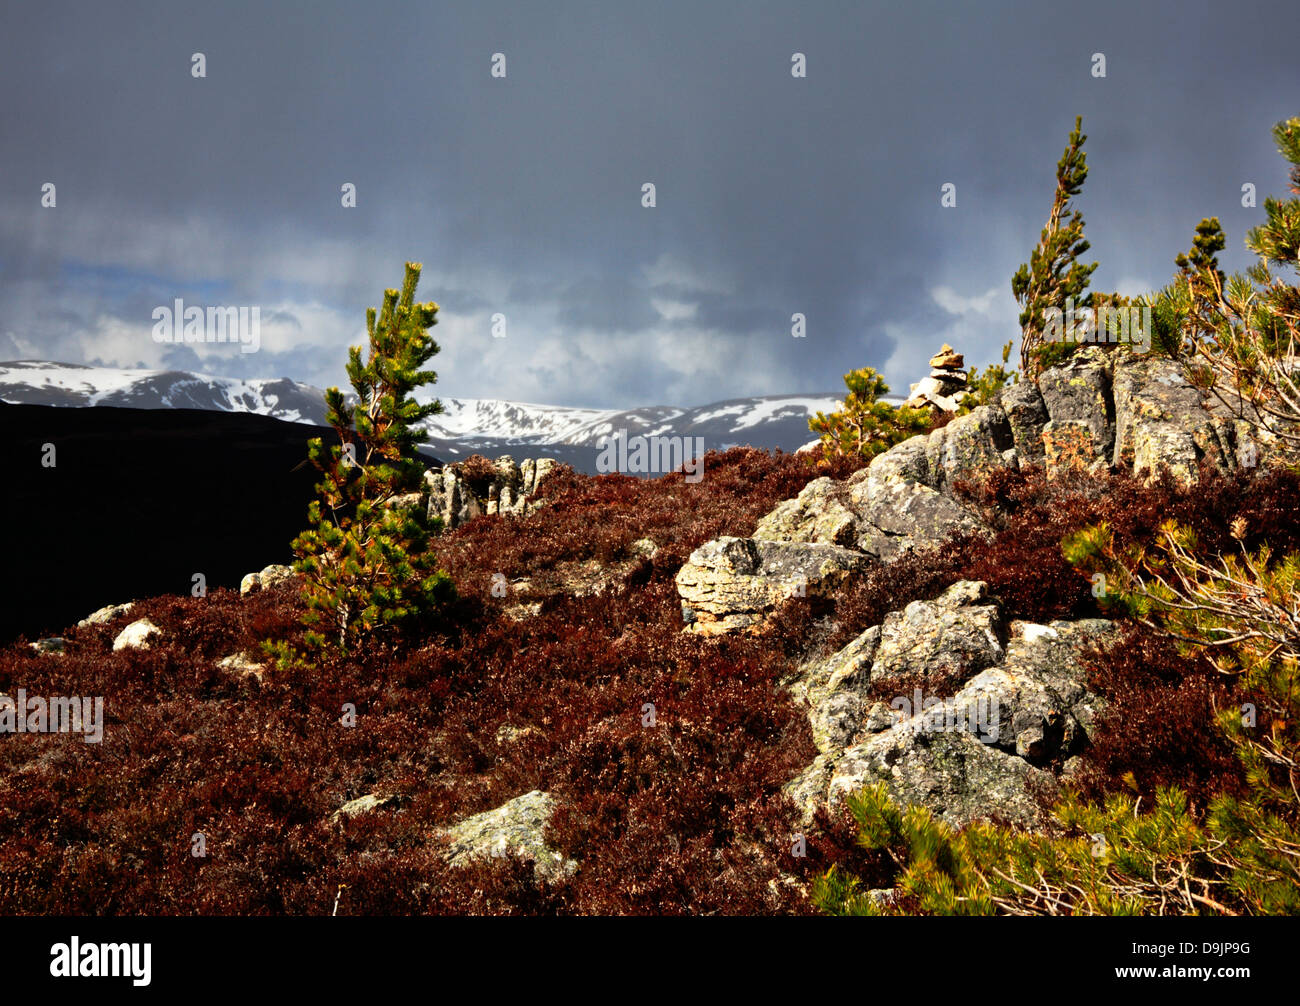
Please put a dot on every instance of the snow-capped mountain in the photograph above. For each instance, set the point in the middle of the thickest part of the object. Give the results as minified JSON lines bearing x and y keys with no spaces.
{"x":466,"y":426}
{"x":39,"y":382}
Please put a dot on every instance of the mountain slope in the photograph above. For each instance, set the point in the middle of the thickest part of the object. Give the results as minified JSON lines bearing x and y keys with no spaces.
{"x":467,"y":425}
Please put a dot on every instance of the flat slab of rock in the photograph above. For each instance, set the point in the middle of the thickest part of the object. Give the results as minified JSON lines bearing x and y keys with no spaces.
{"x":734,"y":584}
{"x":514,"y":828}
{"x":106,"y":614}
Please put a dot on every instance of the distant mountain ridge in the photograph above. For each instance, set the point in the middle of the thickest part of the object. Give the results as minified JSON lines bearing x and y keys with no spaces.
{"x":467,"y":426}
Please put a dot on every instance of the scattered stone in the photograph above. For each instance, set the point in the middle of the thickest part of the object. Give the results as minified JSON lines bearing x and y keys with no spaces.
{"x":514,"y":828}
{"x":362,"y":805}
{"x":241,"y":665}
{"x":645,"y":547}
{"x":265,"y":579}
{"x":136,"y":636}
{"x":102,"y":616}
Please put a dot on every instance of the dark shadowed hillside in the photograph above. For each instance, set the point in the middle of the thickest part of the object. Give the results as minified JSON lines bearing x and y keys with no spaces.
{"x":140,"y":500}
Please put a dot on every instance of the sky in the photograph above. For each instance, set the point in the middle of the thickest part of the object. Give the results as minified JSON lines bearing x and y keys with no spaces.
{"x":522,"y":194}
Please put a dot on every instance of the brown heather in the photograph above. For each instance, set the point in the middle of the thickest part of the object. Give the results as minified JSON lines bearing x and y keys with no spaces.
{"x":683,"y":817}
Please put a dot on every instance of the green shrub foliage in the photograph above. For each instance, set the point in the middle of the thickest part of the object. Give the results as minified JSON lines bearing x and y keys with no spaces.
{"x":1054,"y":271}
{"x":366,"y":563}
{"x":865,"y":426}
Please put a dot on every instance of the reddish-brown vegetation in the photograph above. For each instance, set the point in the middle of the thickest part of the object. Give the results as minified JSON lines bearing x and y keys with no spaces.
{"x":683,"y":816}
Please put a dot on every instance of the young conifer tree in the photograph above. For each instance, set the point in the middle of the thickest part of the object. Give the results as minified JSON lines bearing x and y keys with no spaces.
{"x":864,"y":425}
{"x":1054,"y":271}
{"x":366,"y":563}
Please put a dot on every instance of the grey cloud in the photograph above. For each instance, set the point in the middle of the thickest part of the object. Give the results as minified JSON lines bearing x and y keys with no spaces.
{"x":817,"y":195}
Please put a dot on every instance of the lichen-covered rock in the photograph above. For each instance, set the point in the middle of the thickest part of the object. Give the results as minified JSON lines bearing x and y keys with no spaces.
{"x":507,"y":490}
{"x":1161,"y":423}
{"x":265,"y":578}
{"x":1070,"y":445}
{"x":986,"y":751}
{"x":136,"y":636}
{"x":734,"y":584}
{"x":1079,"y":393}
{"x":816,"y":515}
{"x":957,"y":634}
{"x":513,"y":829}
{"x":897,"y":515}
{"x":906,"y":461}
{"x":950,"y":772}
{"x":969,"y":447}
{"x":1026,"y":415}
{"x":106,"y":614}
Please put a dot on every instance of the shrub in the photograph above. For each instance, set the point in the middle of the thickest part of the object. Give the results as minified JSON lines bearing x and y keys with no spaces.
{"x":1054,"y":272}
{"x":1240,"y":334}
{"x":864,"y":426}
{"x":367,"y":564}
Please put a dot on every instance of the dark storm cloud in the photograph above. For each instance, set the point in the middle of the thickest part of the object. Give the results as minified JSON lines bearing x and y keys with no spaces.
{"x":523,"y":195}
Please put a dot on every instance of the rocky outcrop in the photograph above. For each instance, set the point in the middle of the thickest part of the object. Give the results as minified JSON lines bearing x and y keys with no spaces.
{"x":458,"y":493}
{"x":969,"y":447}
{"x":897,"y":515}
{"x":1160,"y":423}
{"x":818,"y":515}
{"x":986,"y":750}
{"x":733,"y":584}
{"x":513,"y":829}
{"x":1078,"y":394}
{"x":1096,"y":410}
{"x":1026,"y":414}
{"x":1128,"y":412}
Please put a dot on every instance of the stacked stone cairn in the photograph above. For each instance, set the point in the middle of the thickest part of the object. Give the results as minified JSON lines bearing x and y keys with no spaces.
{"x":945,"y":388}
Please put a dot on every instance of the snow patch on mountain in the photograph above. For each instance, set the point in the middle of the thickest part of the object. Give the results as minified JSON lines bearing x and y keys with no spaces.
{"x":466,"y":426}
